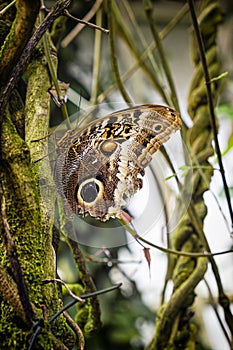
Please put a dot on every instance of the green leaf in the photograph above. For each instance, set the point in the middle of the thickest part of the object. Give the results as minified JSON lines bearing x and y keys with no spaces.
{"x":225,"y":110}
{"x":170,"y":177}
{"x":220,"y":76}
{"x":222,"y":192}
{"x":187,"y":168}
{"x":229,"y":145}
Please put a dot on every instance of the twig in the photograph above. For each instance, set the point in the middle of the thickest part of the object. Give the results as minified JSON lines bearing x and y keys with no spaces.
{"x":89,"y":24}
{"x":85,"y":276}
{"x":130,"y":41}
{"x":138,"y":30}
{"x":67,"y":288}
{"x":214,"y":306}
{"x":74,"y":32}
{"x":6,"y":8}
{"x":38,"y":328}
{"x":96,"y":60}
{"x":77,"y":330}
{"x":168,"y":250}
{"x":111,"y":261}
{"x":145,"y":54}
{"x":85,"y":296}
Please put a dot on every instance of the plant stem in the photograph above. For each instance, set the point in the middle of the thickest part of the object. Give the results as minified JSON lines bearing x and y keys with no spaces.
{"x":206,"y":254}
{"x":55,"y":81}
{"x":77,"y":29}
{"x":53,"y":74}
{"x":130,"y":41}
{"x":96,"y":58}
{"x":211,"y":105}
{"x":144,"y":55}
{"x":115,"y":67}
{"x":149,"y":13}
{"x":6,"y":8}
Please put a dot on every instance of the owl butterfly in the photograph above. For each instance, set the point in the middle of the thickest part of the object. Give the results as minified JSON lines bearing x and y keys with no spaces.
{"x":101,"y":165}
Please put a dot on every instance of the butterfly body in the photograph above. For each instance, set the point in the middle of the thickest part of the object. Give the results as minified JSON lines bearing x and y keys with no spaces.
{"x":101,"y":165}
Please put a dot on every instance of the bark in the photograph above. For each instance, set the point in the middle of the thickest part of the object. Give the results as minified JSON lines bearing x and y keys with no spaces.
{"x":26,"y":252}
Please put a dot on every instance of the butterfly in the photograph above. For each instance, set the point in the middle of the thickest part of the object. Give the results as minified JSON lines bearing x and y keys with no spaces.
{"x":101,"y":165}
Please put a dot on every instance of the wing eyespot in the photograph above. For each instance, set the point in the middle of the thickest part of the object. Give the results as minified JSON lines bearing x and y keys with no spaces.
{"x":89,"y":191}
{"x":108,"y":147}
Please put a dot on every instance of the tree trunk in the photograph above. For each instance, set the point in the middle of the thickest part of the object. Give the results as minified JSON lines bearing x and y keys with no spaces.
{"x":26,"y":252}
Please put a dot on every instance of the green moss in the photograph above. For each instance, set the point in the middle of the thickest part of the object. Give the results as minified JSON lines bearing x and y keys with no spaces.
{"x":24,"y":215}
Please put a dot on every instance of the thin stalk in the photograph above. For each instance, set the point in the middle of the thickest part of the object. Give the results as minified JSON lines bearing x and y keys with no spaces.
{"x":38,"y":328}
{"x":134,"y":234}
{"x":197,"y":225}
{"x":96,"y":58}
{"x":215,"y":308}
{"x":211,"y":105}
{"x":140,"y":35}
{"x":6,"y":8}
{"x":77,"y":29}
{"x":170,"y":258}
{"x":149,"y":13}
{"x":54,"y":75}
{"x":223,"y":299}
{"x":115,"y":67}
{"x":85,"y":23}
{"x":124,"y":32}
{"x":174,"y":331}
{"x":145,"y":54}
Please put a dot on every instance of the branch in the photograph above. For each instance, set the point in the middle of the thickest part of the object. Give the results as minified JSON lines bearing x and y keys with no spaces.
{"x":171,"y":251}
{"x":17,"y":38}
{"x":38,"y":328}
{"x":89,"y":24}
{"x":142,"y":57}
{"x":57,"y":11}
{"x":77,"y":29}
{"x":6,"y":8}
{"x":76,"y":329}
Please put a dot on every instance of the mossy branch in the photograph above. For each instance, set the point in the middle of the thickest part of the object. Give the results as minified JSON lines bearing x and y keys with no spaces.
{"x":26,"y":54}
{"x":93,"y":323}
{"x":18,"y":36}
{"x":176,"y":306}
{"x":28,"y":212}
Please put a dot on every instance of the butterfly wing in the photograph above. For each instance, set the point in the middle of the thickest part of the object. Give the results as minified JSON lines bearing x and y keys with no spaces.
{"x":98,"y":167}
